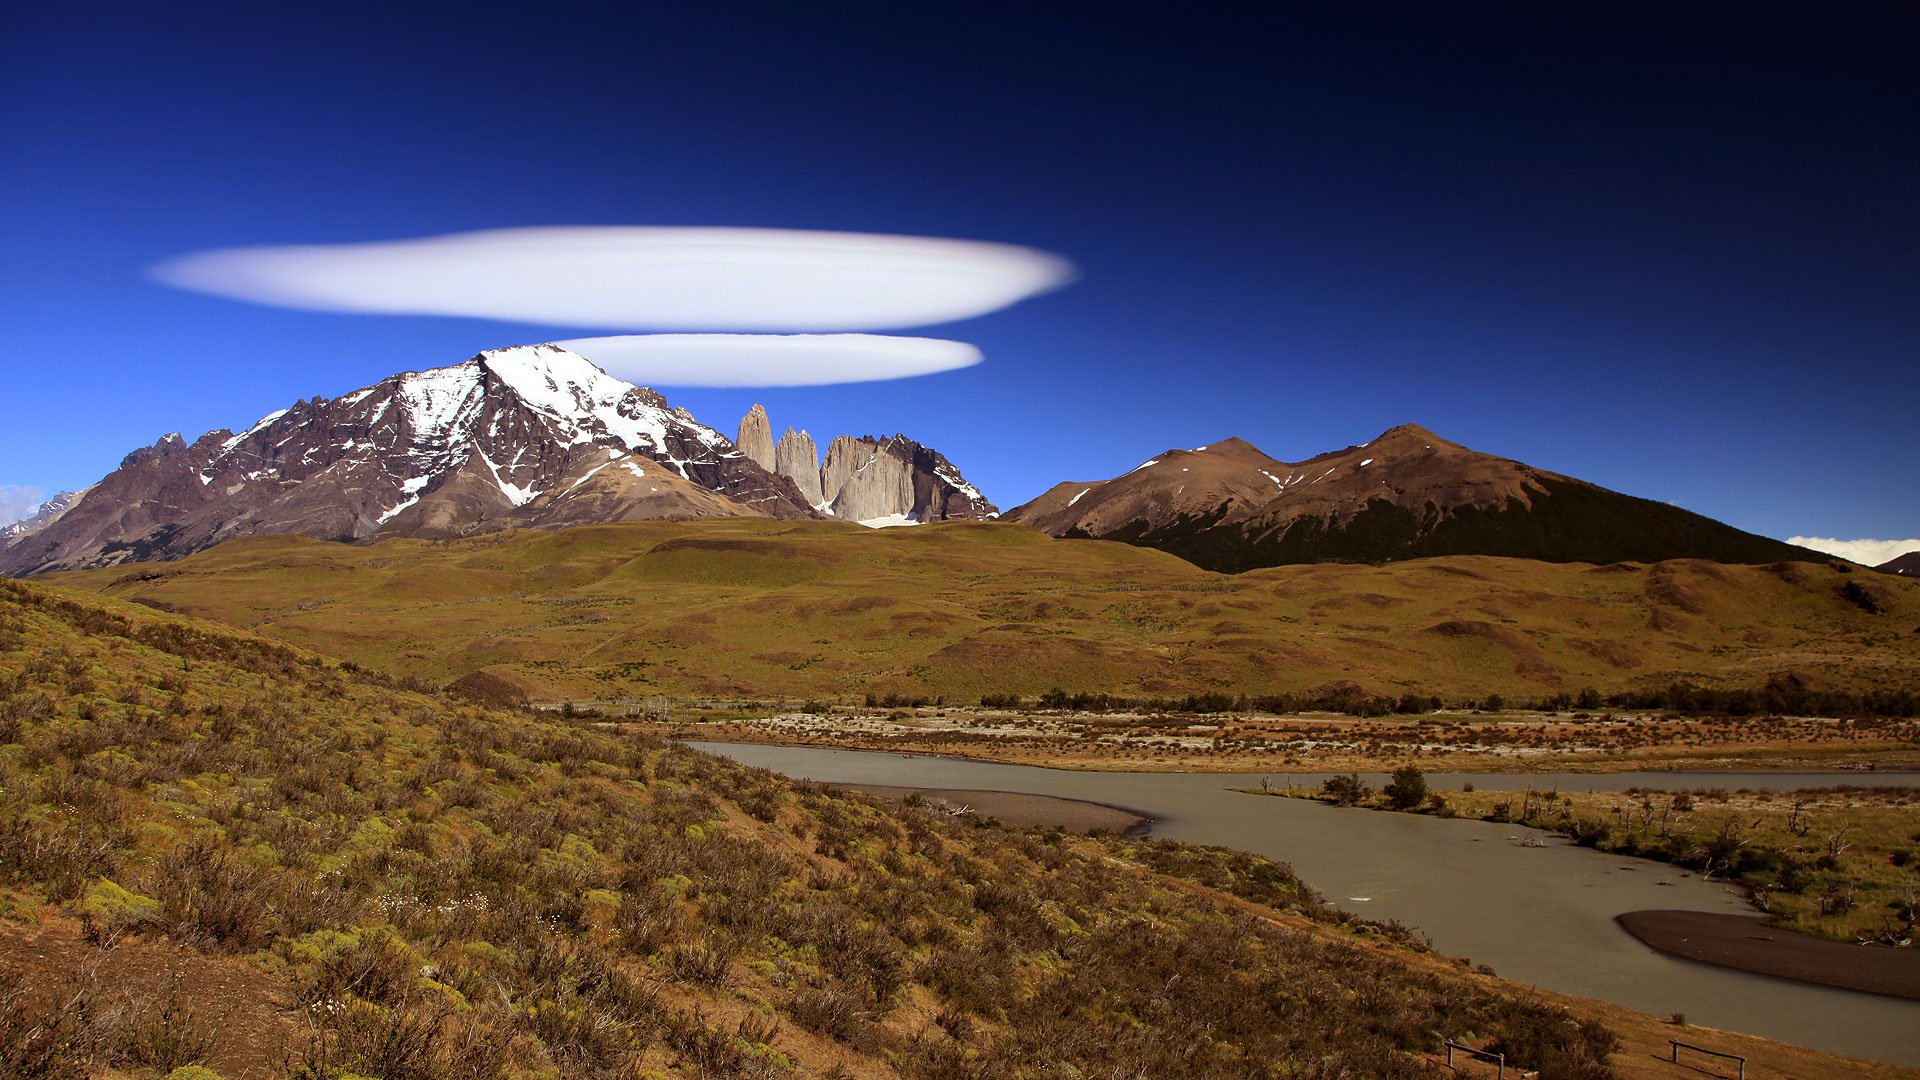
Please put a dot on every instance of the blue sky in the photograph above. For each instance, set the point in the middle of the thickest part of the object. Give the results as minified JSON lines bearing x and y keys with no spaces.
{"x":1673,"y":253}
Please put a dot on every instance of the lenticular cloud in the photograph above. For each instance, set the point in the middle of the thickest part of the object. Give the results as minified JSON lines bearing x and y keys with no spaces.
{"x":770,"y":359}
{"x":640,"y":277}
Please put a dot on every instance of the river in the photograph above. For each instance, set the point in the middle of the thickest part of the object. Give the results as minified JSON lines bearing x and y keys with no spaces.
{"x":1536,"y":915}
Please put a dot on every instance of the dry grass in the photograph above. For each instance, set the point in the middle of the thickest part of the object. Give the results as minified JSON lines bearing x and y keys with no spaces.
{"x":796,"y":610}
{"x":444,"y":892}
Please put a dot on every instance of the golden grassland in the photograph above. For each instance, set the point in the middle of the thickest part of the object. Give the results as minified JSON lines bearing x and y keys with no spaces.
{"x":1836,"y":862}
{"x":718,"y":610}
{"x":224,"y":853}
{"x":1517,"y":741}
{"x":425,"y":889}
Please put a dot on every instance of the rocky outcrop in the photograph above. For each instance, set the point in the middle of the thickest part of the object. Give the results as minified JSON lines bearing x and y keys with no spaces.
{"x":756,"y":438}
{"x":795,"y":458}
{"x":866,"y":485}
{"x":891,"y":481}
{"x":896,"y":480}
{"x":532,"y":436}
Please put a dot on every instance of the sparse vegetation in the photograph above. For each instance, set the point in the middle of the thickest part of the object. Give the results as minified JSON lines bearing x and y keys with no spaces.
{"x":1450,"y":740}
{"x":720,"y":610}
{"x":451,"y":892}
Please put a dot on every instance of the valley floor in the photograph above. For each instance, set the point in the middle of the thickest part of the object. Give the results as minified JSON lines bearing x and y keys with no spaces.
{"x":1511,"y":742}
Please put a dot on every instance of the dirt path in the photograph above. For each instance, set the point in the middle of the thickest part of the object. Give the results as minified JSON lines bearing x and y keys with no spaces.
{"x":248,"y":1014}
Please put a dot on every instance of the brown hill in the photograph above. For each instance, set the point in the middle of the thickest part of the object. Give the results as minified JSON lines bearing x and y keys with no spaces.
{"x":797,"y":609}
{"x":1907,"y":565}
{"x":1406,"y":494}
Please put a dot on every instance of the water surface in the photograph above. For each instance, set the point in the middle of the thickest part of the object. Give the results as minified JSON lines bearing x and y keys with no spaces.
{"x":1536,"y":915}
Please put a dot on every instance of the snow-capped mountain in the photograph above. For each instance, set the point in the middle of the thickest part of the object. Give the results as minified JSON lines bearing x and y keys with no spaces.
{"x":526,"y":436}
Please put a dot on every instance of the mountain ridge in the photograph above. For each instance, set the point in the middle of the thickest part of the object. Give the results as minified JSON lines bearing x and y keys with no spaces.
{"x":1907,"y":565}
{"x":43,"y":515}
{"x":1407,"y":493}
{"x":524,"y":436}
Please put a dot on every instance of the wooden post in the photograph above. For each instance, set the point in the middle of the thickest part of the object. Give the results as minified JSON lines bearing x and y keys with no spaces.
{"x":1676,"y":1044}
{"x":1499,"y":1060}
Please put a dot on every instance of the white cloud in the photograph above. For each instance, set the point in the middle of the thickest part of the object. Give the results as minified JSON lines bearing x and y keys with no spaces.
{"x":640,"y":277}
{"x":1866,"y":552}
{"x":770,"y":359}
{"x":18,"y":502}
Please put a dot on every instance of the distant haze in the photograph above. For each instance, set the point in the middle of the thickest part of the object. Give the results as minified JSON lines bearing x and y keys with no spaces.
{"x":18,"y":502}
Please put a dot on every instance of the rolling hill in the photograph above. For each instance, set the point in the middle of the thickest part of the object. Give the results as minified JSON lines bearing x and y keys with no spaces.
{"x":811,"y":609}
{"x":217,"y":850}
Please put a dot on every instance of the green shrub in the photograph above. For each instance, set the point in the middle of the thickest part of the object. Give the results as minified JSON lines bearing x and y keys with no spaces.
{"x":1407,"y":789}
{"x":1348,"y":790}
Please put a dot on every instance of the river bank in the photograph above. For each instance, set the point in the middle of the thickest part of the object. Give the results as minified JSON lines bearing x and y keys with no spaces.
{"x":1019,"y":809}
{"x":1837,"y":861}
{"x":1543,"y":916}
{"x":1746,"y":942}
{"x":1458,"y":741}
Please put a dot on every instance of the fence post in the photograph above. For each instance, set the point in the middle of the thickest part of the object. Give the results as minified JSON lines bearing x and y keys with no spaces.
{"x":1675,"y":1045}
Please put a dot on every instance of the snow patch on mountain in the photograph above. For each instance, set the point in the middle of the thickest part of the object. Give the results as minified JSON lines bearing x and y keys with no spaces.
{"x":264,"y":423}
{"x":434,"y":401}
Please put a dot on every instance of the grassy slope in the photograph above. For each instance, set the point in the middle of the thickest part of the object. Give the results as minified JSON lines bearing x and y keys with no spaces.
{"x":446,"y":892}
{"x":823,"y":609}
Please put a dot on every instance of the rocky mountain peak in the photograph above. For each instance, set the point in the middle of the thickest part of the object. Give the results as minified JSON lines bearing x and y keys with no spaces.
{"x":891,"y":481}
{"x":530,"y":436}
{"x":756,"y":437}
{"x":1410,"y":432}
{"x":165,"y":446}
{"x":796,"y":458}
{"x":43,"y":515}
{"x":1232,"y":446}
{"x":1406,"y":493}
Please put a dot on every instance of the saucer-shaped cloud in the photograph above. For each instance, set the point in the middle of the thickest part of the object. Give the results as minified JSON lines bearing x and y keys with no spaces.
{"x":640,"y":277}
{"x":770,"y":359}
